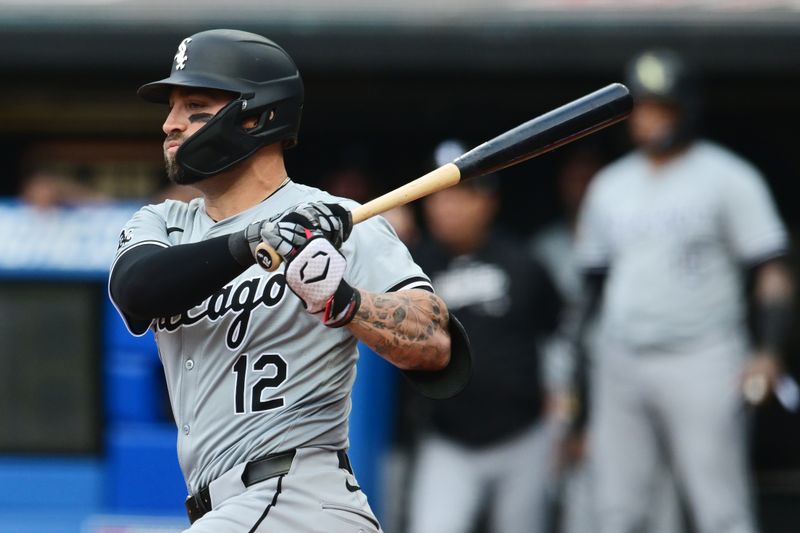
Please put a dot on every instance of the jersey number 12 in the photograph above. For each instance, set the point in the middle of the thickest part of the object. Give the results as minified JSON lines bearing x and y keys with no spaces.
{"x":268,"y":360}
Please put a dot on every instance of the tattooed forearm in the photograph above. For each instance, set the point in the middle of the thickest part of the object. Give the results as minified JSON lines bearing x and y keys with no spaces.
{"x":408,"y":328}
{"x":407,"y":318}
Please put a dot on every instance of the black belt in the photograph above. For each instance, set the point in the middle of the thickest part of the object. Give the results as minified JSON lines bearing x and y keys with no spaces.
{"x":273,"y":465}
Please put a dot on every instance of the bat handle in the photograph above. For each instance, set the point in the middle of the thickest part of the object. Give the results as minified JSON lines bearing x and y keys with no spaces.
{"x":434,"y":181}
{"x":267,"y":258}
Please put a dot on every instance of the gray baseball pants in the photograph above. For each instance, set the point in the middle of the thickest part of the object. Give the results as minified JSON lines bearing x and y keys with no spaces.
{"x":451,"y":482}
{"x":682,"y":409}
{"x":315,"y":496}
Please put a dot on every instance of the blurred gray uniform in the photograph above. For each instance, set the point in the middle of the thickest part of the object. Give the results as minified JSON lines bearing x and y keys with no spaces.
{"x":675,"y":239}
{"x":250,"y":373}
{"x":554,"y":247}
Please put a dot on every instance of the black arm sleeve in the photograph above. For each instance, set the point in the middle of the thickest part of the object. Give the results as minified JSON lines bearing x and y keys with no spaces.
{"x":594,"y":284}
{"x":150,"y":281}
{"x":771,"y":321}
{"x":549,"y":304}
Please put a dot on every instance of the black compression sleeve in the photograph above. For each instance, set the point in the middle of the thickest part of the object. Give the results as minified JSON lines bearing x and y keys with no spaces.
{"x":773,"y":325}
{"x":772,"y":316}
{"x":594,"y":285}
{"x":594,"y":282}
{"x":150,"y":281}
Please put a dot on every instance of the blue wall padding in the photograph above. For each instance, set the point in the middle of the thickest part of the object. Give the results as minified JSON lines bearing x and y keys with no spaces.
{"x":143,"y":472}
{"x":372,"y":422}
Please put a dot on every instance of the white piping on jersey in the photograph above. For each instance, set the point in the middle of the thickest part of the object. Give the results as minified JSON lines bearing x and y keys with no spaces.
{"x":416,"y":284}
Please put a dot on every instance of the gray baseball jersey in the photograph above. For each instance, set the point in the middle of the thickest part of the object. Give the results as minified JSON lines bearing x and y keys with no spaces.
{"x":249,"y":372}
{"x":676,"y":238}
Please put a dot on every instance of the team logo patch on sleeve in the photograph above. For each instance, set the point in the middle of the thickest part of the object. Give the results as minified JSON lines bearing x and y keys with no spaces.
{"x":125,"y":236}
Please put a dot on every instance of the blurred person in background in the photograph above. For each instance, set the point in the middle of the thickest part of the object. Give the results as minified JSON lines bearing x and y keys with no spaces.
{"x":487,"y":449}
{"x":554,"y":248}
{"x":402,"y":219}
{"x":667,"y":238}
{"x":350,"y":179}
{"x":553,"y":245}
{"x":45,"y":189}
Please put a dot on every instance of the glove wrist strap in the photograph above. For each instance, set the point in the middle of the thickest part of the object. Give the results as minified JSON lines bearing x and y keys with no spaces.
{"x":341,"y":308}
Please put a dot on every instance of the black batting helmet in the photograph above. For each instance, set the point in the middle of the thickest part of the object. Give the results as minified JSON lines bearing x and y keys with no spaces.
{"x":265,"y":83}
{"x":662,"y":75}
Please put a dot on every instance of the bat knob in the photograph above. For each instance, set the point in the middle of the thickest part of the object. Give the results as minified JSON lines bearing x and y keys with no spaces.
{"x":267,"y":258}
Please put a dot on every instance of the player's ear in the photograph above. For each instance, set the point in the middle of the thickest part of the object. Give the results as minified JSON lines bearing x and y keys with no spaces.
{"x":249,"y":123}
{"x":253,"y":122}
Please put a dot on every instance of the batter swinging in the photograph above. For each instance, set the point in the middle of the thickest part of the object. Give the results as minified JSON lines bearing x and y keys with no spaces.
{"x":259,"y":366}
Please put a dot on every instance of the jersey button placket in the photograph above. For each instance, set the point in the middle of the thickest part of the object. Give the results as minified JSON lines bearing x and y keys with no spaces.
{"x":188,"y":398}
{"x":188,"y":365}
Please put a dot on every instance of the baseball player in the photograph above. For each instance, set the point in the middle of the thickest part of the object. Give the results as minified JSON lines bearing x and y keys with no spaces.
{"x":666,"y":236}
{"x":259,"y":366}
{"x":489,"y":447}
{"x":554,"y":247}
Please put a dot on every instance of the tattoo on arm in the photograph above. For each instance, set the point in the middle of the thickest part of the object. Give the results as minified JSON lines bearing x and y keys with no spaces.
{"x":399,"y":325}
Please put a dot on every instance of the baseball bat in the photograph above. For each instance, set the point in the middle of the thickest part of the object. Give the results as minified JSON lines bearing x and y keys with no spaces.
{"x":542,"y":134}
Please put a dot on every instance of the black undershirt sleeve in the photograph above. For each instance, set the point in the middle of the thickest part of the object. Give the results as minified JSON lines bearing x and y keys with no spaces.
{"x":151,"y":281}
{"x":771,"y":321}
{"x":594,"y":285}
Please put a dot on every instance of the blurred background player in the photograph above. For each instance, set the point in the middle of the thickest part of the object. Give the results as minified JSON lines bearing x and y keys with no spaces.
{"x":554,"y":248}
{"x":44,"y":190}
{"x":403,"y":220}
{"x":667,"y":236}
{"x":487,"y":449}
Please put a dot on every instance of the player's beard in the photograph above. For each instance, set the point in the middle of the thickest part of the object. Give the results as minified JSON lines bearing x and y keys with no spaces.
{"x":174,"y":171}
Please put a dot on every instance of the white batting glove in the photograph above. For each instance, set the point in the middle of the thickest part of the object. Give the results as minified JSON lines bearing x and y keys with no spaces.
{"x":315,"y":274}
{"x":289,"y":231}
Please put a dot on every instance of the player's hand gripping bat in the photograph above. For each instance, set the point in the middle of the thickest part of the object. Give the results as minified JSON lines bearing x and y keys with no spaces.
{"x":558,"y":127}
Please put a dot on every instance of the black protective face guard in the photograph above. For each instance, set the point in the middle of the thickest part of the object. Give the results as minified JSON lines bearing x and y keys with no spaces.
{"x":218,"y":145}
{"x":223,"y":142}
{"x":446,"y":383}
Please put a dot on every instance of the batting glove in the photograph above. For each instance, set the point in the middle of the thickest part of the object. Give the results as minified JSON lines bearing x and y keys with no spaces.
{"x":334,"y":221}
{"x":286,"y":232}
{"x":308,"y":239}
{"x":315,"y":275}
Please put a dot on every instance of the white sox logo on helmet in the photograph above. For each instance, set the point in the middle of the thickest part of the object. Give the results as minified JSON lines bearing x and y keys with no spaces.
{"x":181,"y":57}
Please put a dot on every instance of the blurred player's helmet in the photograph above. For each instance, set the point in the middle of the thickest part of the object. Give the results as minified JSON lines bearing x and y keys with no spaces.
{"x":663,"y":76}
{"x":266,"y":86}
{"x":448,"y":150}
